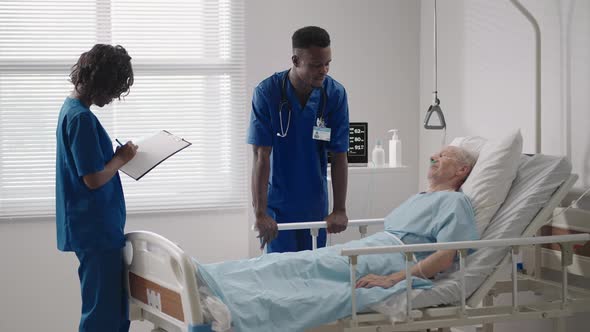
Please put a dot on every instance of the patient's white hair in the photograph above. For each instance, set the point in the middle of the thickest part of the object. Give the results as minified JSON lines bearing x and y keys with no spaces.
{"x":464,"y":157}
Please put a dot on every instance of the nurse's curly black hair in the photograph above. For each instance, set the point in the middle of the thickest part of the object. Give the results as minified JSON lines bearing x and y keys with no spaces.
{"x":105,"y":71}
{"x":309,"y":36}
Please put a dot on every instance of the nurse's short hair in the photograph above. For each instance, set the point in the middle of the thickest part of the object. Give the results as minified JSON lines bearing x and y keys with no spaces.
{"x":105,"y":70}
{"x":310,"y":36}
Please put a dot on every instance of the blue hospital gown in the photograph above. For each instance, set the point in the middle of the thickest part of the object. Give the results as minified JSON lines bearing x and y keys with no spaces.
{"x":296,"y":291}
{"x":440,"y":216}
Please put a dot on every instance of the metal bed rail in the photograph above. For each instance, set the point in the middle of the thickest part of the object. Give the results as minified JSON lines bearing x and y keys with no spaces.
{"x":566,"y":243}
{"x":315,"y":226}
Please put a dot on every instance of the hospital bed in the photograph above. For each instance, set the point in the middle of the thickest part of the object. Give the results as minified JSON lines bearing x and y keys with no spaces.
{"x":162,"y":284}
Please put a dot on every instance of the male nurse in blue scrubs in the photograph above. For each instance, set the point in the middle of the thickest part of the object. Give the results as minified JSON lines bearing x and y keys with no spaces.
{"x":90,"y":207}
{"x":298,"y":115}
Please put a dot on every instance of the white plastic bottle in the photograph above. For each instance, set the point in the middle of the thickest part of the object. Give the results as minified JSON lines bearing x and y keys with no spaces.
{"x":378,"y":155}
{"x":395,"y":150}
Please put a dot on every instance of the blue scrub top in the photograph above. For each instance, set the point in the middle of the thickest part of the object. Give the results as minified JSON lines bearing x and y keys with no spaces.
{"x":86,"y":219}
{"x":298,"y":188}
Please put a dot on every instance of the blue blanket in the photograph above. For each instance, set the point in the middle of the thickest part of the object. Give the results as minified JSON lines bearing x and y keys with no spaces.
{"x":295,"y":291}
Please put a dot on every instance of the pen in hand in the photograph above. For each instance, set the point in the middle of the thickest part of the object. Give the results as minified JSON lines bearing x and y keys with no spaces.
{"x":126,"y":151}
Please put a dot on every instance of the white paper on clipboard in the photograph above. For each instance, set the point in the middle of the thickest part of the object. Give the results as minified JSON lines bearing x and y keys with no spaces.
{"x":152,"y":151}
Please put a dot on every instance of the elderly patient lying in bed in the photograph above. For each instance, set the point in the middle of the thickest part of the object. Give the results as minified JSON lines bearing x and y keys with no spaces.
{"x":294,"y":291}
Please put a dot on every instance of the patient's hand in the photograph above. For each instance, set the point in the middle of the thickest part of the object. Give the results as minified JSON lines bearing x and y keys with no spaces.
{"x":337,"y":221}
{"x":267,"y":229}
{"x":373,"y":280}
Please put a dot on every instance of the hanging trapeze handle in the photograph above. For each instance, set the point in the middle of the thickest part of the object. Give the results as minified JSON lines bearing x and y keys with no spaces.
{"x":435,"y":109}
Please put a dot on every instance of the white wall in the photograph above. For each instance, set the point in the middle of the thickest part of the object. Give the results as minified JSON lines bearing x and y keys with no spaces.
{"x":576,"y":101}
{"x":40,"y":286}
{"x":374,"y":51}
{"x":486,"y":82}
{"x":486,"y":74}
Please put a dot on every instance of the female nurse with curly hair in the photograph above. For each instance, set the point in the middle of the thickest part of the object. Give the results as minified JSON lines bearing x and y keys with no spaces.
{"x":90,"y":207}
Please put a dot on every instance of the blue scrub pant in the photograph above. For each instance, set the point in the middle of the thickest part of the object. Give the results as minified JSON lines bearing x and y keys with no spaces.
{"x":295,"y":240}
{"x":104,"y":301}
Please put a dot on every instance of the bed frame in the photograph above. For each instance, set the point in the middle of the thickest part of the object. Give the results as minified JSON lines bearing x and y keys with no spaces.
{"x":162,"y":285}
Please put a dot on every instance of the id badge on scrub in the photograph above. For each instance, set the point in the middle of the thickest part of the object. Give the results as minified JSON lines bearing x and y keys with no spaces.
{"x":321,"y":133}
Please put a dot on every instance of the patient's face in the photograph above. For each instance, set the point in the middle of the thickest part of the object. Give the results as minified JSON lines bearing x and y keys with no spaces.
{"x":443,"y":165}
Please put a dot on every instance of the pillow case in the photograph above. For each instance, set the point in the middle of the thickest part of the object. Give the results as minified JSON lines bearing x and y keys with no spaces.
{"x":471,"y":144}
{"x":491,"y":178}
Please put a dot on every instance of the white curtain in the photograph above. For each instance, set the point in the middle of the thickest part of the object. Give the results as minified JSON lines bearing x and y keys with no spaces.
{"x":189,"y":65}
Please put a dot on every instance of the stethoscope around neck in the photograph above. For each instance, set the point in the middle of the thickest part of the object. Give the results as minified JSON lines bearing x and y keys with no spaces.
{"x":285,"y":103}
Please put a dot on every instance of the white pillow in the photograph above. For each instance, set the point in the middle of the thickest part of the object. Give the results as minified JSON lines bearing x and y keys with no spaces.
{"x":492,"y":175}
{"x":471,"y":144}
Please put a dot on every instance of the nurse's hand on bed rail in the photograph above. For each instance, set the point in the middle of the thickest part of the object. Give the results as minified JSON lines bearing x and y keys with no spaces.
{"x":337,"y":221}
{"x":267,"y":229}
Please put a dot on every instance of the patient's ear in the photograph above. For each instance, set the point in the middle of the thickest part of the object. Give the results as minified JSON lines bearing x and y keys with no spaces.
{"x":463,"y":171}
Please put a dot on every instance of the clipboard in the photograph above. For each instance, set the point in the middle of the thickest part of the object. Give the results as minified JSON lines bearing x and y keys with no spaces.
{"x":152,"y":152}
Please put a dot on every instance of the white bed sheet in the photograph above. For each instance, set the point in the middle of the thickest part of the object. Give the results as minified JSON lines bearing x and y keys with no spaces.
{"x":537,"y":179}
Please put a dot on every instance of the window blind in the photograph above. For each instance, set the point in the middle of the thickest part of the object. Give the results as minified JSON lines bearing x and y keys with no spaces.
{"x":189,"y":66}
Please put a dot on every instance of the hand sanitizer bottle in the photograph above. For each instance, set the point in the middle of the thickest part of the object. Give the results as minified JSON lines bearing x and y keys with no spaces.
{"x":378,"y":155}
{"x":395,"y":150}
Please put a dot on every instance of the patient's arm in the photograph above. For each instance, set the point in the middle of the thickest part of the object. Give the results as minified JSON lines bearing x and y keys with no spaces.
{"x":426,"y":268}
